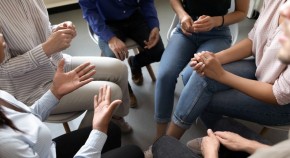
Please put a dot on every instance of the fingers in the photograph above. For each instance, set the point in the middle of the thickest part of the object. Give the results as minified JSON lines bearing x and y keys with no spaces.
{"x":60,"y":66}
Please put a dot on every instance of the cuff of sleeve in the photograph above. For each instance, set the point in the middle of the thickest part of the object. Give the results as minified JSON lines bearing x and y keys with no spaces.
{"x":96,"y":139}
{"x":38,"y":56}
{"x":51,"y":97}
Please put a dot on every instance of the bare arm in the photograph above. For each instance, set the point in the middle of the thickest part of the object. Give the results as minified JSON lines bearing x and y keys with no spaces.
{"x":241,"y":50}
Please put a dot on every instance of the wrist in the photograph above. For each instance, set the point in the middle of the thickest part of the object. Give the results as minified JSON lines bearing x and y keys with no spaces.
{"x":55,"y":93}
{"x":220,"y":21}
{"x":251,"y":146}
{"x":46,"y":49}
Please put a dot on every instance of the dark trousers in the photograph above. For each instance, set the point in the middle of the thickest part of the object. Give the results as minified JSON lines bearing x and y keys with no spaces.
{"x":136,"y":28}
{"x":67,"y":145}
{"x":171,"y":148}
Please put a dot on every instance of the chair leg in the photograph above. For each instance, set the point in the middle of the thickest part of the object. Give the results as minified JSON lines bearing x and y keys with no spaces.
{"x":151,"y":73}
{"x":66,"y":127}
{"x":264,"y":131}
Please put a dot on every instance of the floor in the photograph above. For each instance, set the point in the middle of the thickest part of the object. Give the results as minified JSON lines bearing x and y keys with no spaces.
{"x":141,"y":118}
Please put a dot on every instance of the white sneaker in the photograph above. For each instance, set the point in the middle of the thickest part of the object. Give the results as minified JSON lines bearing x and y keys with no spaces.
{"x":148,"y":153}
{"x":124,"y":126}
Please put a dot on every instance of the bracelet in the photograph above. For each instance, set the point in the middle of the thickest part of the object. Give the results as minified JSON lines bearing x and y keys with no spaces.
{"x":223,"y":21}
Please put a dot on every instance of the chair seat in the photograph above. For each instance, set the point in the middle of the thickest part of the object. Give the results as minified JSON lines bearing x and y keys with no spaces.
{"x":65,"y":117}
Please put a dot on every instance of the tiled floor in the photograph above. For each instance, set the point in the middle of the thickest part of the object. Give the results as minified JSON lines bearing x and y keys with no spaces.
{"x":140,"y":118}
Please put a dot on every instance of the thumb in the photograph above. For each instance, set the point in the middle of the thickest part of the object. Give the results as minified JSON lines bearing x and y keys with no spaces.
{"x":60,"y":66}
{"x":114,"y":104}
{"x":210,"y":133}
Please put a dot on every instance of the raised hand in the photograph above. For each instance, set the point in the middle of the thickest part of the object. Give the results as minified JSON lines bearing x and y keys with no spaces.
{"x":64,"y":83}
{"x":104,"y":109}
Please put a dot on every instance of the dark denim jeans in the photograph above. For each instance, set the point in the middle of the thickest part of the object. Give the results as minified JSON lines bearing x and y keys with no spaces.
{"x":137,"y":29}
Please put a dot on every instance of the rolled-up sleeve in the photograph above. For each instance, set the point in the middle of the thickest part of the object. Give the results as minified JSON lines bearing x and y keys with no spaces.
{"x":281,"y":87}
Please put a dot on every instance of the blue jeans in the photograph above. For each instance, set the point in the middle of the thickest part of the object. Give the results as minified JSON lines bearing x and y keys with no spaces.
{"x":136,"y":28}
{"x":202,"y":93}
{"x":179,"y":51}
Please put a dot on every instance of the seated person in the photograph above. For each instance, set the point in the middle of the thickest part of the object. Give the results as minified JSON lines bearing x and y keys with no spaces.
{"x":255,"y":89}
{"x":22,"y":133}
{"x":115,"y":21}
{"x":232,"y":135}
{"x":34,"y":48}
{"x":204,"y":25}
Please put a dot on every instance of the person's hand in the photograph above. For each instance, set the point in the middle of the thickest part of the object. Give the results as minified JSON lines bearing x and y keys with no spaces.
{"x":104,"y":109}
{"x":64,"y":83}
{"x":209,"y":65}
{"x":58,"y":41}
{"x":205,"y":23}
{"x":118,"y":47}
{"x":232,"y":140}
{"x":66,"y":25}
{"x":186,"y":23}
{"x":153,"y":38}
{"x":210,"y":145}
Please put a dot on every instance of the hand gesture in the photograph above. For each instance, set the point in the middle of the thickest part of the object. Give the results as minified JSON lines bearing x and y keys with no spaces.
{"x":104,"y":109}
{"x":204,"y":23}
{"x":153,"y":38}
{"x":208,"y":65}
{"x":64,"y":83}
{"x":58,"y":41}
{"x":210,"y":145}
{"x":66,"y":25}
{"x":232,"y":141}
{"x":186,"y":23}
{"x":118,"y":47}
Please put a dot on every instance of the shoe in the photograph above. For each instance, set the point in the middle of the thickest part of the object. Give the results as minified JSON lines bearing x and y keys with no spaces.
{"x":124,"y":126}
{"x":137,"y":76}
{"x":195,"y":145}
{"x":148,"y":153}
{"x":133,"y":100}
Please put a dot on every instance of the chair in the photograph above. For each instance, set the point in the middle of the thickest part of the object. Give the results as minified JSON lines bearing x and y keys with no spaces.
{"x":234,"y":28}
{"x":64,"y":119}
{"x":131,"y":44}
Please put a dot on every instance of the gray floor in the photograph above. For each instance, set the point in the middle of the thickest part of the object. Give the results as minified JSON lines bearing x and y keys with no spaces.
{"x":141,"y":118}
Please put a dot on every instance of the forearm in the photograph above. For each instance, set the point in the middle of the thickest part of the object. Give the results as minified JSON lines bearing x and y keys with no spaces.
{"x":256,"y":89}
{"x":177,"y":7}
{"x":241,"y":10}
{"x":21,"y":64}
{"x":239,"y":51}
{"x":253,"y":146}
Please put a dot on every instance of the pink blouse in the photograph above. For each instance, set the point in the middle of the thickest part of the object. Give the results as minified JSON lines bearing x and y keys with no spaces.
{"x":266,"y":45}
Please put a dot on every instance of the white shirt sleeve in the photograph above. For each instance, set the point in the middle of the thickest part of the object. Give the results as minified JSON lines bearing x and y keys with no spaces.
{"x":93,"y":146}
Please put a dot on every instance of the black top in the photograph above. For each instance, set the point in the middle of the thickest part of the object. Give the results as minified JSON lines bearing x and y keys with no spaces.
{"x":206,"y":7}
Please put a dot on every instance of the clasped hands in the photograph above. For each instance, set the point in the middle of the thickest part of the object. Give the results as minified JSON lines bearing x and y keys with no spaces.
{"x":206,"y":64}
{"x":120,"y":49}
{"x":203,"y":24}
{"x":210,"y":144}
{"x":60,"y":38}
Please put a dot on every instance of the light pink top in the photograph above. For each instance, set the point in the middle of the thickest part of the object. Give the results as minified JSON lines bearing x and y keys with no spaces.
{"x":266,"y":45}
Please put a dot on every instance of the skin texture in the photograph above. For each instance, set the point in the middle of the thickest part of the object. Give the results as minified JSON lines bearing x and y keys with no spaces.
{"x":60,"y":38}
